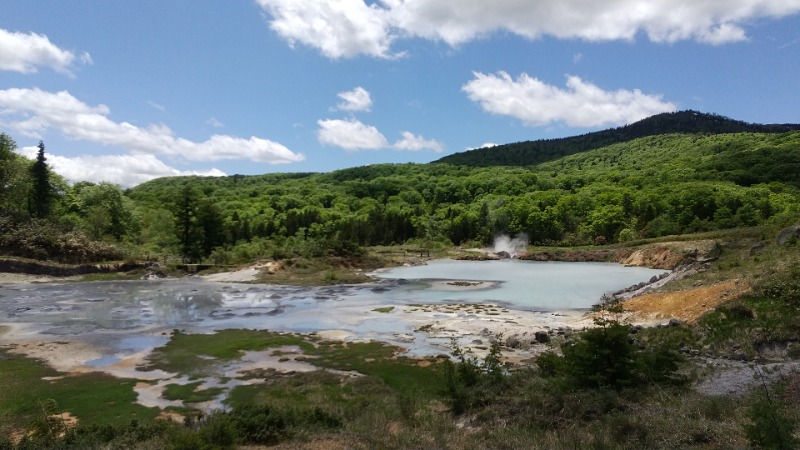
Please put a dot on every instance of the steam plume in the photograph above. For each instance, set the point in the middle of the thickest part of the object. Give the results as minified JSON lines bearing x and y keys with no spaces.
{"x":513,"y":247}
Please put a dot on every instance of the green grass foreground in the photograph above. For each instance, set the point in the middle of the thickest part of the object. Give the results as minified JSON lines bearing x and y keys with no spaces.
{"x":394,"y":402}
{"x":30,"y":389}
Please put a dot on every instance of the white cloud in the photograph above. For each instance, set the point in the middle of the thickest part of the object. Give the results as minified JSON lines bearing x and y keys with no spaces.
{"x":348,"y":28}
{"x":215,"y":123}
{"x":416,"y":143}
{"x":156,"y":105}
{"x":32,"y":111}
{"x":24,"y":53}
{"x":353,"y":135}
{"x":124,"y":170}
{"x":356,"y":100}
{"x":484,"y":145}
{"x":581,"y":104}
{"x":337,"y":28}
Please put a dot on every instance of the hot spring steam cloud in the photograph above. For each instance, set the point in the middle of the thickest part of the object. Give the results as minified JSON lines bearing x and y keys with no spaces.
{"x":512,"y":247}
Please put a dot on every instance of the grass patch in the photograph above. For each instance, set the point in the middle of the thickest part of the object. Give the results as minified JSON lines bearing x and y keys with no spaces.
{"x":113,"y":276}
{"x":324,"y":389}
{"x":385,"y":309}
{"x":197,"y":354}
{"x":189,"y":393}
{"x":109,"y":400}
{"x":378,"y":360}
{"x":750,"y":322}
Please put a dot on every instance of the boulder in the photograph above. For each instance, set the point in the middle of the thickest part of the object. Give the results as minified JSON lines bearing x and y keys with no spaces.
{"x":788,"y":234}
{"x":513,"y":342}
{"x":675,"y":322}
{"x":542,"y":337}
{"x":757,"y":247}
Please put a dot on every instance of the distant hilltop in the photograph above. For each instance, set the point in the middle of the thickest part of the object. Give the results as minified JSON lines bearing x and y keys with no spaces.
{"x":534,"y":152}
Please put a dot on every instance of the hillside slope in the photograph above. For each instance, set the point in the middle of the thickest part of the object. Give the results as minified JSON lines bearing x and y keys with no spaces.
{"x":533,"y":152}
{"x":648,"y":187}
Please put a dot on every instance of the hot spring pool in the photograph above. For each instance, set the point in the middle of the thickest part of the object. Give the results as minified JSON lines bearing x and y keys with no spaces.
{"x":524,"y":284}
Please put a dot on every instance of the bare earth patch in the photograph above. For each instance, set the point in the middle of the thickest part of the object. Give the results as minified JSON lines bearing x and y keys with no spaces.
{"x":248,"y":274}
{"x":687,"y":305}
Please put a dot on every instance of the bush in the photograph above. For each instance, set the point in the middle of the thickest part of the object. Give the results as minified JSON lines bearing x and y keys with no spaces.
{"x":468,"y":381}
{"x":41,"y":239}
{"x":605,"y":356}
{"x":784,"y":285}
{"x":770,"y":427}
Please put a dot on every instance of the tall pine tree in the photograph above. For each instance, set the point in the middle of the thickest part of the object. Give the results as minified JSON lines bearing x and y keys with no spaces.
{"x":42,"y":194}
{"x":186,"y":224}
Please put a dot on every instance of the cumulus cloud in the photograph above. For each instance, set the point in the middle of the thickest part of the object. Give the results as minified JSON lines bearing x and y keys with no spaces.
{"x":581,"y":104}
{"x":356,"y":100}
{"x":350,"y":134}
{"x":337,"y":28}
{"x":124,"y":170}
{"x":32,"y":111}
{"x":348,"y":28}
{"x":26,"y":52}
{"x":416,"y":143}
{"x":353,"y":135}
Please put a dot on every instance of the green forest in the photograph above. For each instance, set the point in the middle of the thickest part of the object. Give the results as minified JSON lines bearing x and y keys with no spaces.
{"x":642,"y":187}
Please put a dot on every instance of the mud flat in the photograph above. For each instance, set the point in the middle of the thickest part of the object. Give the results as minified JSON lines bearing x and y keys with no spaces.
{"x":462,"y":285}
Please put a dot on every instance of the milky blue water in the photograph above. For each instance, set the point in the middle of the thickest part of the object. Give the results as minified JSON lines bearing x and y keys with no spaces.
{"x":526,"y":284}
{"x":125,"y":317}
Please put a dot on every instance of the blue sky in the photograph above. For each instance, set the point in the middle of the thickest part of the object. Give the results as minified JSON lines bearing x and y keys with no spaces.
{"x":129,"y":91}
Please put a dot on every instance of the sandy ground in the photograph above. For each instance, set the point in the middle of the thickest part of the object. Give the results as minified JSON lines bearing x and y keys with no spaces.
{"x":245,"y":275}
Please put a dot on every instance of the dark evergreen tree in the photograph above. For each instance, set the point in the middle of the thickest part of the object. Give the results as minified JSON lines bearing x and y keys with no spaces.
{"x":211,"y":226}
{"x":186,"y":217}
{"x":40,"y":202}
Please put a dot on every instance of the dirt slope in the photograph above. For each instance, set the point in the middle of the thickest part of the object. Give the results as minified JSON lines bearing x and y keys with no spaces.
{"x":687,"y":305}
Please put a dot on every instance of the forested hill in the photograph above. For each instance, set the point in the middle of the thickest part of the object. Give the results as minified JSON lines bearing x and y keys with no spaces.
{"x":534,"y":152}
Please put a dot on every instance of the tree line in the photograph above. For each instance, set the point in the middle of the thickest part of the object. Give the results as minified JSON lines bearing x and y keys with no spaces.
{"x":647,"y":187}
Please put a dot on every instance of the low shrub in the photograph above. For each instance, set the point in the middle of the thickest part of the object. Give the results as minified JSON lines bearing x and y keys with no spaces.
{"x":606,"y":356}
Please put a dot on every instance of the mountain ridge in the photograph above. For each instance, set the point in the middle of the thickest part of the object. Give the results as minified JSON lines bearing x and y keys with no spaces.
{"x":527,"y":153}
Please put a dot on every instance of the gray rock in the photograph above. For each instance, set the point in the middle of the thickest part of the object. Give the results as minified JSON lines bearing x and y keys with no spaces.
{"x":758,"y":246}
{"x":675,"y":322}
{"x":513,"y":342}
{"x":787,"y":234}
{"x":541,"y":337}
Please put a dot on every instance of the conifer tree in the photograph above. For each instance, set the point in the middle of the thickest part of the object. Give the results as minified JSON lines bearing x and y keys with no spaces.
{"x":42,"y":193}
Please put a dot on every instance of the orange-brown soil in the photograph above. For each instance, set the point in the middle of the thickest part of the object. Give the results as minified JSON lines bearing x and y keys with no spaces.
{"x":687,"y":305}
